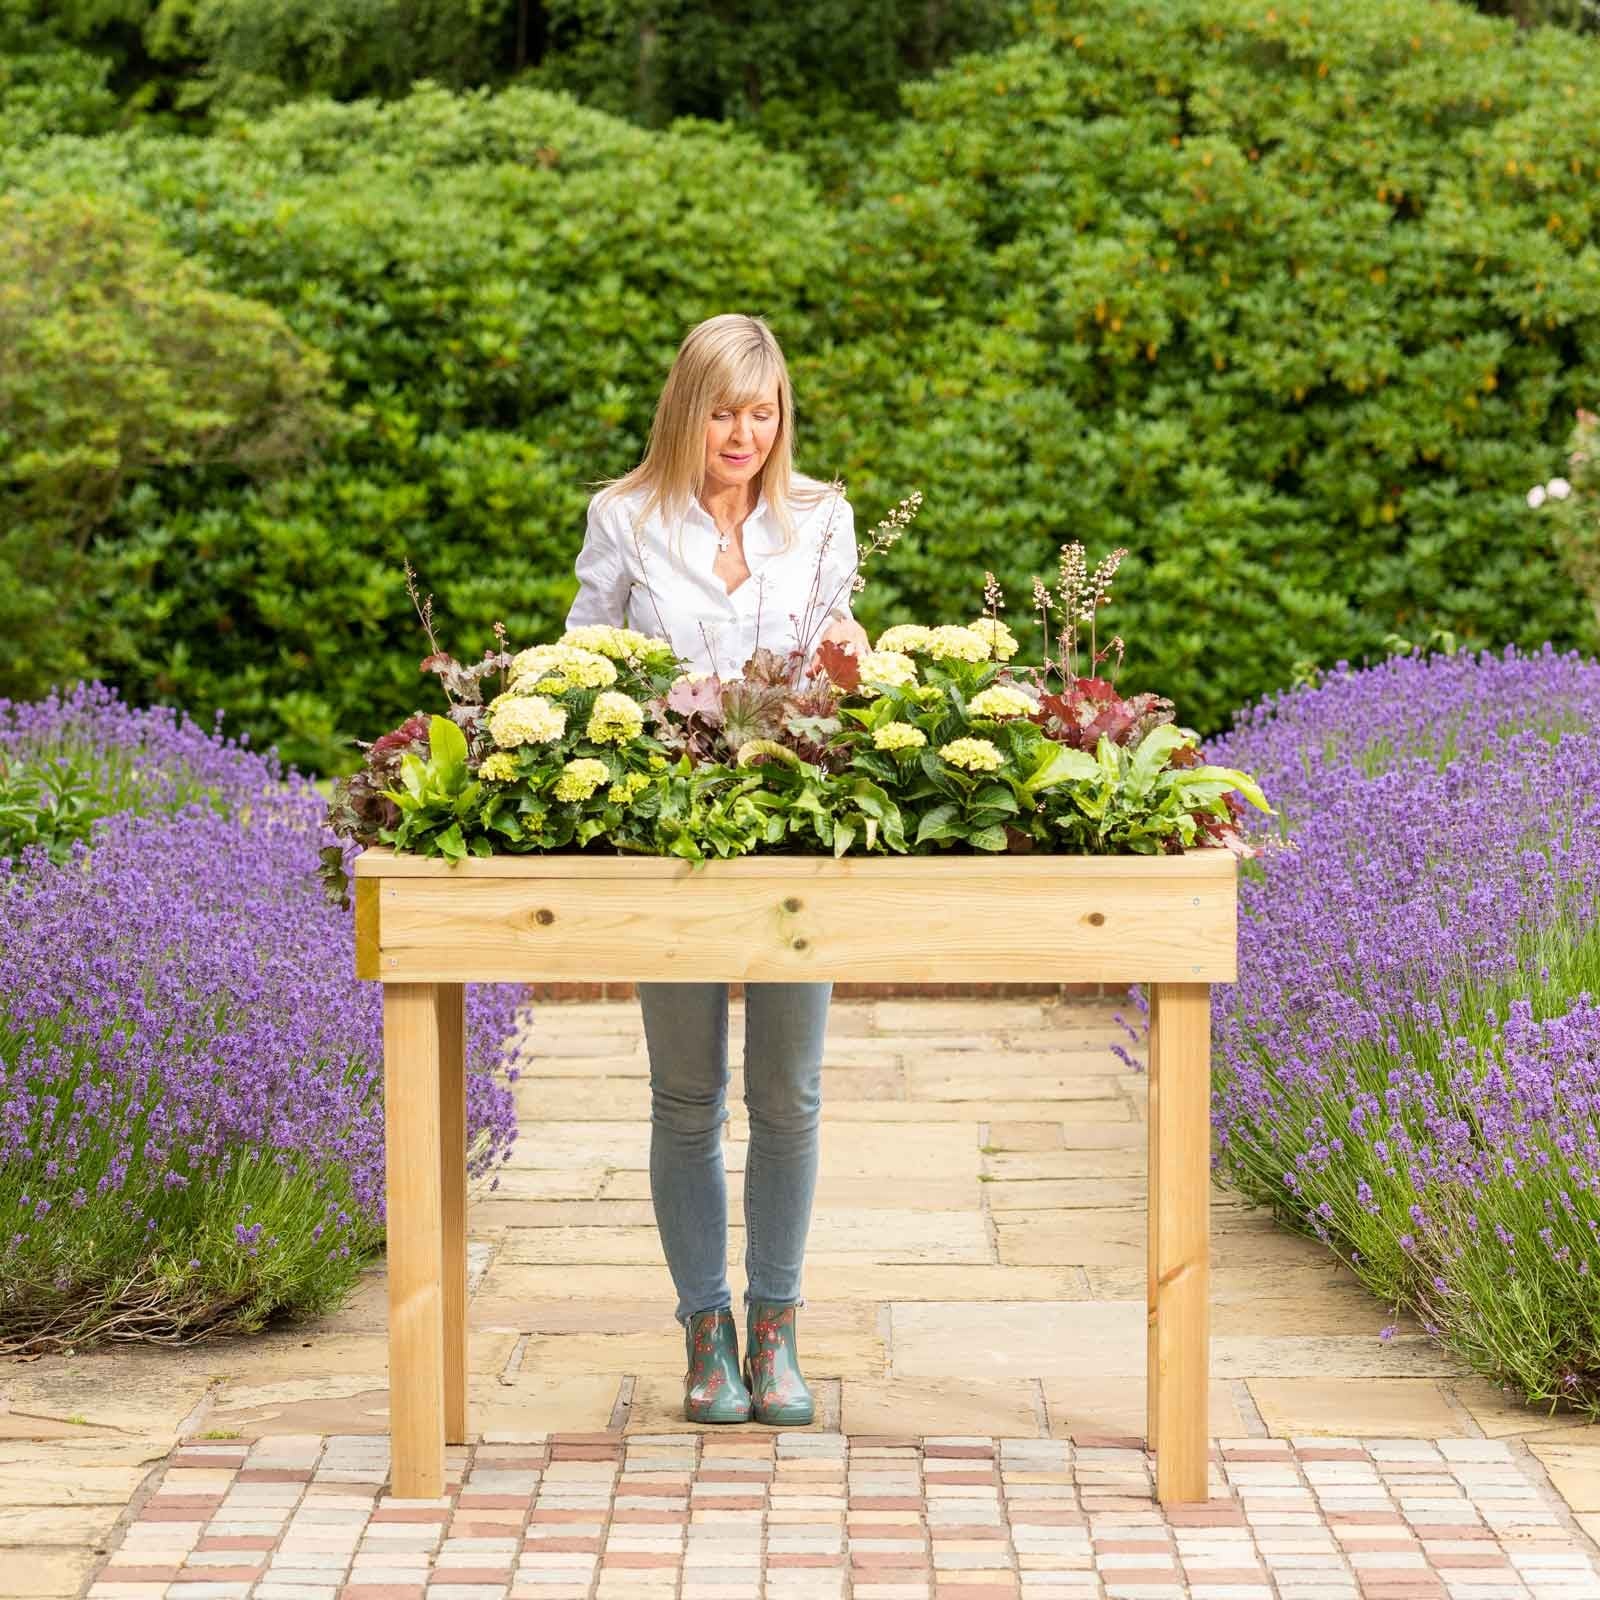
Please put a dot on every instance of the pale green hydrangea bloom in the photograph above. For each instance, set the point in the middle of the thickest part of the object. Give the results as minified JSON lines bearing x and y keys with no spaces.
{"x":996,"y":635}
{"x":525,"y":719}
{"x":887,"y":669}
{"x":498,"y":768}
{"x":898,"y":736}
{"x":627,"y":787}
{"x":950,"y":642}
{"x":976,"y":755}
{"x":615,"y":719}
{"x":620,"y":644}
{"x":585,"y":669}
{"x":579,"y":779}
{"x":904,"y":636}
{"x":1001,"y":700}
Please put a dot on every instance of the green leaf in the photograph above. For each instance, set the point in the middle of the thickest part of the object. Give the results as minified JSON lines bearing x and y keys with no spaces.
{"x":993,"y":838}
{"x":939,"y":823}
{"x":451,"y":844}
{"x":447,"y":747}
{"x":1059,"y":763}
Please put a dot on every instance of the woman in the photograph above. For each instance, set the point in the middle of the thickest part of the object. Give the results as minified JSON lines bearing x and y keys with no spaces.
{"x":714,"y":542}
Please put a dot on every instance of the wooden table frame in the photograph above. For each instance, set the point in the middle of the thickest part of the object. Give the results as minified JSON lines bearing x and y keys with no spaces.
{"x":424,"y":929}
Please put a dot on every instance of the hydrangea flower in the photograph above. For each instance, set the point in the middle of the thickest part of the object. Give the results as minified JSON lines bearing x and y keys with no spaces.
{"x":950,"y":642}
{"x":498,"y":768}
{"x":976,"y":755}
{"x":586,"y":669}
{"x":996,"y":635}
{"x":887,"y":669}
{"x":615,"y":719}
{"x":898,"y":736}
{"x":620,"y":644}
{"x":525,"y":719}
{"x":579,"y":779}
{"x":1001,"y":700}
{"x":904,"y":636}
{"x":628,"y":787}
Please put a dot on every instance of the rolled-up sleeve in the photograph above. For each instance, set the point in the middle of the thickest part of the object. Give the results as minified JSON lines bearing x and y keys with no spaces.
{"x":839,"y":562}
{"x":603,"y":578}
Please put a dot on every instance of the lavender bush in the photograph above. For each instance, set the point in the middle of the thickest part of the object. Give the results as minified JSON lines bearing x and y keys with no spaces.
{"x":1409,"y":1065}
{"x":191,"y":1115}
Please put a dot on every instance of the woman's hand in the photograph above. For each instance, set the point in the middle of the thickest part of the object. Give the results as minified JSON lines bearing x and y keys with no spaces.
{"x":845,"y":632}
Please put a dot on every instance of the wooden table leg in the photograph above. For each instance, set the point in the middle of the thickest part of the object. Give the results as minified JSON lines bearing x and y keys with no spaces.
{"x":453,"y":1190}
{"x":1178,"y":1275}
{"x":413,"y":1166}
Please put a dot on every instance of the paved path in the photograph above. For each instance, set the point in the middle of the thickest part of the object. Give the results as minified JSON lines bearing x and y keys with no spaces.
{"x":981,"y":1189}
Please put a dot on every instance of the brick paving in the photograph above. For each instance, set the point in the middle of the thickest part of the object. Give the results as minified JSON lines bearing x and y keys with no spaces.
{"x":811,"y":1515}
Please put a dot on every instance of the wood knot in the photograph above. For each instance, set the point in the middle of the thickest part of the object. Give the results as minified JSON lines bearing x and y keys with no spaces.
{"x":1096,"y":918}
{"x":544,"y":916}
{"x":792,"y":903}
{"x":799,"y":944}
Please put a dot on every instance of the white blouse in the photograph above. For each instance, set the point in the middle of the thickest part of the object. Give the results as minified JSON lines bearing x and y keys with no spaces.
{"x":767,"y":608}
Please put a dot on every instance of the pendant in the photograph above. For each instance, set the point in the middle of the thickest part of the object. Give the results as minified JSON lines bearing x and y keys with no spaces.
{"x":723,"y":541}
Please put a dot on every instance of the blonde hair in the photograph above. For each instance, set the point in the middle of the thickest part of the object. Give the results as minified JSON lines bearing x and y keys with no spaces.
{"x":725,"y":361}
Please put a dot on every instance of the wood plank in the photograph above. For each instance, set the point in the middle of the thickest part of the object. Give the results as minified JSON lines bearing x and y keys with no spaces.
{"x":453,"y":1211}
{"x":1179,"y":1267}
{"x":366,"y":902}
{"x":415,"y":1238}
{"x":985,"y":922}
{"x":380,"y":861}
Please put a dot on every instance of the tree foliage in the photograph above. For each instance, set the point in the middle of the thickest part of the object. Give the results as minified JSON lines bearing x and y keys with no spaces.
{"x":1293,"y":305}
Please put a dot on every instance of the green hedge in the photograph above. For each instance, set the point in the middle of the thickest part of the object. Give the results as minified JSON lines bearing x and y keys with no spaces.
{"x":1294,"y":304}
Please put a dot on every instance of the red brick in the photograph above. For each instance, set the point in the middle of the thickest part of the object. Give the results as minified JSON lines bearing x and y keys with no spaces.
{"x":712,"y":1475}
{"x":382,"y":1591}
{"x":137,"y":1575}
{"x":182,"y":1502}
{"x":411,"y":1514}
{"x":154,"y":1513}
{"x":273,"y":1475}
{"x":959,"y":1477}
{"x":492,"y":1502}
{"x":1464,"y":1530}
{"x":563,"y":1514}
{"x":975,"y":1591}
{"x":796,"y":1558}
{"x":483,"y":1530}
{"x":1443,"y":1559}
{"x":949,"y":1530}
{"x":638,"y":1514}
{"x":1220,"y":1575}
{"x":1203,"y":1517}
{"x":888,"y":1558}
{"x":585,"y":1452}
{"x":730,"y":1502}
{"x":1314,"y":1453}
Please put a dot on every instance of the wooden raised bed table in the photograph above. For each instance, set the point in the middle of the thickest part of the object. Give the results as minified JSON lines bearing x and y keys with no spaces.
{"x":423,"y":929}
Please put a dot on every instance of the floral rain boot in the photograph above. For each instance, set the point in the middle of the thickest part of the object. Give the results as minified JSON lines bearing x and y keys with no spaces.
{"x":713,"y":1391}
{"x":778,"y":1393}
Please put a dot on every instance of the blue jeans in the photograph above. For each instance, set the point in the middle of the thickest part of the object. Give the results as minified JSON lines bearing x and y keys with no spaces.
{"x":686,"y":1033}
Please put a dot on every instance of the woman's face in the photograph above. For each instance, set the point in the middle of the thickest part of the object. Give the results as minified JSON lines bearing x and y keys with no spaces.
{"x":739,"y":439}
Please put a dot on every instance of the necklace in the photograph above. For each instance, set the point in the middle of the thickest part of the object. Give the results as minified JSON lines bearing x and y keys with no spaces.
{"x":724,"y":540}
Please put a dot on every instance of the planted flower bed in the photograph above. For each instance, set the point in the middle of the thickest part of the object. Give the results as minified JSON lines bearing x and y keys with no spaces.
{"x":934,"y":740}
{"x":1409,"y":1064}
{"x":191,"y":1120}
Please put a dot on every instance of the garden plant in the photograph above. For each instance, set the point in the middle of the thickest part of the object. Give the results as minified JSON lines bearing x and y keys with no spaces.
{"x":191,"y":1117}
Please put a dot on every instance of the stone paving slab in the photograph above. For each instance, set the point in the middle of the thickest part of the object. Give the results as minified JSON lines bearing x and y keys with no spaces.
{"x":750,"y":1513}
{"x":976,"y":1269}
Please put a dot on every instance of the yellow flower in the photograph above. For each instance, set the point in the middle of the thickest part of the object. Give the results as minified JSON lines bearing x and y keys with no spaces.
{"x":658,"y":762}
{"x":579,"y":779}
{"x":976,"y":755}
{"x":525,"y":719}
{"x":554,"y":685}
{"x":887,"y":669}
{"x":898,"y":736}
{"x":585,"y":669}
{"x":960,"y":643}
{"x":498,"y":768}
{"x":620,"y":644}
{"x":904,"y":636}
{"x":626,"y":787}
{"x":1001,"y":700}
{"x":614,"y":720}
{"x":996,"y":635}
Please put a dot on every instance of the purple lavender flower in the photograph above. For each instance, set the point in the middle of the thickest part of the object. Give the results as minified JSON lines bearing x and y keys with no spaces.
{"x":190,"y":1073}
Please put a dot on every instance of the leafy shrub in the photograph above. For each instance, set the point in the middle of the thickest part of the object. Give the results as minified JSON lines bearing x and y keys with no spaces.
{"x":1291,"y":302}
{"x":191,"y":1124}
{"x":122,"y":359}
{"x":1406,"y":1067}
{"x":1292,"y":306}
